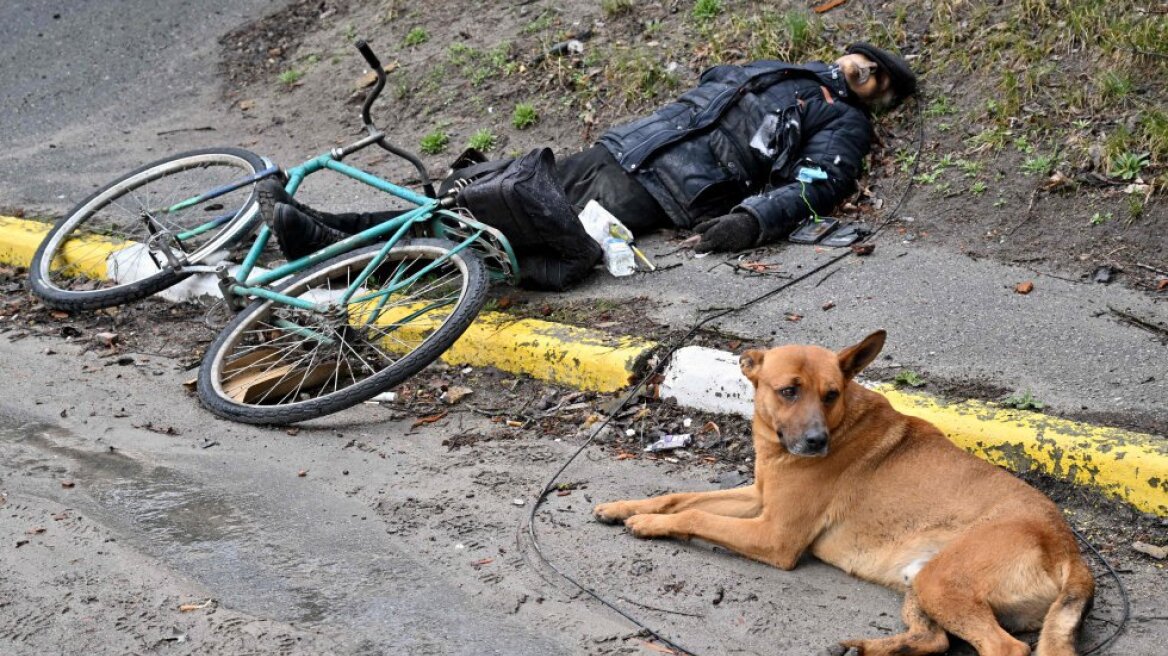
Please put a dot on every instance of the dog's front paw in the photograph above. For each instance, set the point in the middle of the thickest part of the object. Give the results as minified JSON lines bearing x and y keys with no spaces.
{"x":611,"y":513}
{"x":650,"y":526}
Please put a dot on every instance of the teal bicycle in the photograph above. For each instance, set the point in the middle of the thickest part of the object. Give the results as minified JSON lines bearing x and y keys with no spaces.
{"x":310,"y":337}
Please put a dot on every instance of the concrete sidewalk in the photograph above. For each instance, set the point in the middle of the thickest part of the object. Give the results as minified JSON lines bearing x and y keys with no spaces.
{"x":1126,"y":465}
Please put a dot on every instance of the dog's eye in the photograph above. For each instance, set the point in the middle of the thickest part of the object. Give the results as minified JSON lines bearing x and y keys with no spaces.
{"x":789,"y":392}
{"x":831,"y":396}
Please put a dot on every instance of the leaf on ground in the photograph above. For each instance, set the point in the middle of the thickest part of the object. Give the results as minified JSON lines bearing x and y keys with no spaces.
{"x":1024,"y":287}
{"x":825,"y":7}
{"x":369,"y":78}
{"x":36,"y":530}
{"x":186,"y":608}
{"x":428,"y":419}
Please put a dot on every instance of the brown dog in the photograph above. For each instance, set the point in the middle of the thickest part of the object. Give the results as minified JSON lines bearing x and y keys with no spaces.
{"x":888,"y":498}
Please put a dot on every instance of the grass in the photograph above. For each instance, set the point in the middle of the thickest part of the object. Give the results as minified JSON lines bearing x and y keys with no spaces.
{"x":415,"y":37}
{"x":435,"y":142}
{"x":1099,"y":218}
{"x":1039,"y":165}
{"x":290,"y":77}
{"x":706,"y":10}
{"x":524,"y":116}
{"x":483,"y":140}
{"x":614,"y":8}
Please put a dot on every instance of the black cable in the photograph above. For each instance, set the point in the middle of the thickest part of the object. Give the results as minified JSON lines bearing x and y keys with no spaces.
{"x":1106,"y":642}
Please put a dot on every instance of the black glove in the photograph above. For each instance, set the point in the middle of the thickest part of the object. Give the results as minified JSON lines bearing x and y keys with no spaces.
{"x":733,"y":232}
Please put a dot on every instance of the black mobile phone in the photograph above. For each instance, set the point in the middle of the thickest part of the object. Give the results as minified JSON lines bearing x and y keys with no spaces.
{"x":812,"y":231}
{"x":846,"y":235}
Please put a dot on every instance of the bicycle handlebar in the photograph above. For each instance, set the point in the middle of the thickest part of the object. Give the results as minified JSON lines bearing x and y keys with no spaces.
{"x":367,"y":52}
{"x":375,"y":64}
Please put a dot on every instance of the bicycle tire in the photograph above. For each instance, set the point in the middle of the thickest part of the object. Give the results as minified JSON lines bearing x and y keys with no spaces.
{"x":109,"y":246}
{"x":258,"y":372}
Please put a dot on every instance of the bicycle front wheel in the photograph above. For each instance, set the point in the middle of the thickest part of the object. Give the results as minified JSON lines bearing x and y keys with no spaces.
{"x":277,"y":363}
{"x":113,"y":247}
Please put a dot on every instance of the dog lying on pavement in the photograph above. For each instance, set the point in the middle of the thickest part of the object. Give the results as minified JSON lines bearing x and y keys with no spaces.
{"x":886,"y":497}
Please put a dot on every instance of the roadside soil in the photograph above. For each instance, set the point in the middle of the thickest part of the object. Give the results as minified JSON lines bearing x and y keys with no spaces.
{"x":450,"y":76}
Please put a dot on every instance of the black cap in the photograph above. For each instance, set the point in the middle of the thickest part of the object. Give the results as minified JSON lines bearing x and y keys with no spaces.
{"x":904,"y":82}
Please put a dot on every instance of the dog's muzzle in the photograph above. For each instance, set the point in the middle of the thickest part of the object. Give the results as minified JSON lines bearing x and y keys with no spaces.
{"x":811,"y":444}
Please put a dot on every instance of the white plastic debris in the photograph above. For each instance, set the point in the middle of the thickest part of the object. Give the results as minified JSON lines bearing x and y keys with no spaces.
{"x":670,"y":442}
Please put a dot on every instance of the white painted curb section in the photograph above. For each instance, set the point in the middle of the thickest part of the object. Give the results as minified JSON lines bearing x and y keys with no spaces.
{"x":709,"y":380}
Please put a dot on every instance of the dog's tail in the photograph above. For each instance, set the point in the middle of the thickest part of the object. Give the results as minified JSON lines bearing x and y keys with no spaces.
{"x":1065,"y":616}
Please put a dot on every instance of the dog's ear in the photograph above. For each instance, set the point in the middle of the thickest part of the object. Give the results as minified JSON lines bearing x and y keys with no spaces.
{"x":751,"y":363}
{"x":853,"y":359}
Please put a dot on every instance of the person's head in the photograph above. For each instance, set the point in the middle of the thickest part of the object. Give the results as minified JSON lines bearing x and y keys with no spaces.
{"x":876,"y":77}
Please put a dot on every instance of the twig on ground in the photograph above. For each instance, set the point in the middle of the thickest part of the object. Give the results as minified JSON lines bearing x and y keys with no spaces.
{"x":1144,"y":324}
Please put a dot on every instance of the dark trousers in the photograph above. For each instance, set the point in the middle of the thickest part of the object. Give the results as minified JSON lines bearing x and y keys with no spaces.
{"x":594,"y":174}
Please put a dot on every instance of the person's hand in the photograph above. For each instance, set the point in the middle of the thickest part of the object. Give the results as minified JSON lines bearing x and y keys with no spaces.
{"x":733,"y":232}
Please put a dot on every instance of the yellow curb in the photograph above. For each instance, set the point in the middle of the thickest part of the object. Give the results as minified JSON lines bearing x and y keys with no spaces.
{"x":568,"y":355}
{"x":579,"y":357}
{"x":1129,"y":466}
{"x":20,"y":238}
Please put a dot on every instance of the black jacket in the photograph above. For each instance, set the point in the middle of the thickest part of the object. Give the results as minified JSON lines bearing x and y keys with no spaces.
{"x":736,"y":142}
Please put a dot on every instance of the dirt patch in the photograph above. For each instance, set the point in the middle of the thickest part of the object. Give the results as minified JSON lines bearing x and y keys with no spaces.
{"x":1052,"y":160}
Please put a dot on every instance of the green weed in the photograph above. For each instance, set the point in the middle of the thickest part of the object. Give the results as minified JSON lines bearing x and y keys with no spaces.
{"x":1024,"y":401}
{"x":908,"y":378}
{"x":940,"y":106}
{"x":290,"y":77}
{"x":1038,"y":165}
{"x":706,"y":10}
{"x":524,"y":116}
{"x":1127,"y":166}
{"x":483,"y":140}
{"x":416,"y":37}
{"x":978,"y":187}
{"x":1099,"y":218}
{"x":435,"y":142}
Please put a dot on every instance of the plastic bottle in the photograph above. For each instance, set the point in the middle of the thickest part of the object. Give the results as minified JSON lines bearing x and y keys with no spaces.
{"x":618,"y":257}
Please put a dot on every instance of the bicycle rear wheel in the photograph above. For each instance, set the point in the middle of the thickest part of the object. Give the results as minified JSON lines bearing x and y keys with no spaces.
{"x":108,"y":250}
{"x":279,"y":364}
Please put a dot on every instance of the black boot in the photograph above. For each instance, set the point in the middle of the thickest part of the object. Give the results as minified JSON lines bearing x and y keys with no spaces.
{"x":300,"y":233}
{"x":271,"y":193}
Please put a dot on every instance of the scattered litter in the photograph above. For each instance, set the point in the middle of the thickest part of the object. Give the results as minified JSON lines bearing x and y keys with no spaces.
{"x":456,"y":394}
{"x":369,"y":78}
{"x":479,"y":563}
{"x":1103,"y":274}
{"x":384,"y":397}
{"x":1159,"y":553}
{"x":1024,"y":287}
{"x":36,"y":530}
{"x":863,"y":249}
{"x":687,"y":422}
{"x":186,"y":608}
{"x":208,"y":443}
{"x":518,"y":502}
{"x":466,"y":371}
{"x":711,"y":427}
{"x":302,"y":473}
{"x":828,"y":305}
{"x":670,"y":442}
{"x":514,"y":423}
{"x":625,"y":455}
{"x":1162,"y":284}
{"x":108,"y":340}
{"x":61,"y":516}
{"x":792,"y":317}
